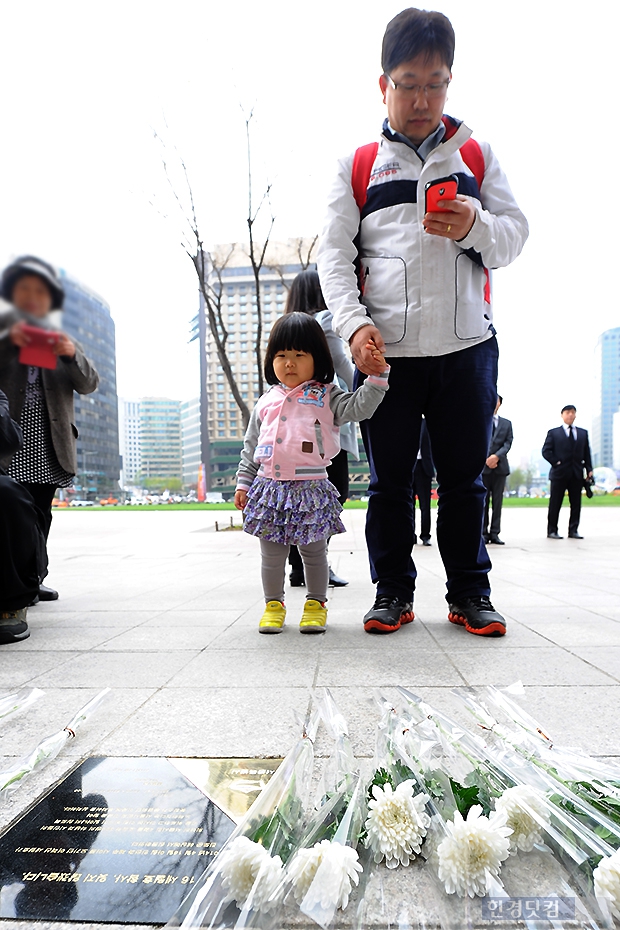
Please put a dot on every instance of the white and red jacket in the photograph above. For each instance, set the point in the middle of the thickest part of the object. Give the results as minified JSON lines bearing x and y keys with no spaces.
{"x":293,"y":433}
{"x":427,"y":295}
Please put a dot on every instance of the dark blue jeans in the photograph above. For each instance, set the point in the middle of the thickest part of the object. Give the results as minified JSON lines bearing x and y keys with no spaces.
{"x":457,"y":394}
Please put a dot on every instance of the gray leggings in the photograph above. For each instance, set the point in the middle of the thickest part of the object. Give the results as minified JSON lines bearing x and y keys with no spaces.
{"x":273,"y":566}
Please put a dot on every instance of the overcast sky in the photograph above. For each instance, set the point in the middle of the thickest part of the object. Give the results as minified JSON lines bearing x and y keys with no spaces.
{"x":86,"y":84}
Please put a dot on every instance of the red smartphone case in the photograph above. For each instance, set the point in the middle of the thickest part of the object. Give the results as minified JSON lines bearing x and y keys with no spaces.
{"x":39,"y":351}
{"x":440,"y":189}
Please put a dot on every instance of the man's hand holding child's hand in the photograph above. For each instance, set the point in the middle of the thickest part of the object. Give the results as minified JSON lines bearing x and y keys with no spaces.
{"x":377,"y":355}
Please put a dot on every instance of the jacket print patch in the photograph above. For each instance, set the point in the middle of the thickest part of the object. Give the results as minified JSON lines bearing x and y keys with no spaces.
{"x":263,"y":452}
{"x":313,"y":394}
{"x":384,"y":171}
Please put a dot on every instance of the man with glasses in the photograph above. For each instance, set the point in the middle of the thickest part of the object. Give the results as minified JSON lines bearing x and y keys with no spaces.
{"x":416,"y":283}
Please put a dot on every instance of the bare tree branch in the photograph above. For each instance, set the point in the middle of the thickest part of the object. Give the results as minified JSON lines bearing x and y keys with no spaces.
{"x":210,"y":270}
{"x":212,"y":304}
{"x":256,"y":260}
{"x":305,"y":263}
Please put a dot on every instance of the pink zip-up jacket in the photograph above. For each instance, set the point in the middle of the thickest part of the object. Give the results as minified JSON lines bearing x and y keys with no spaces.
{"x":294,"y":432}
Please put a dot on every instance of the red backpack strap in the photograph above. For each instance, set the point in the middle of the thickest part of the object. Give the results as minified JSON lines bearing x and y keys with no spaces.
{"x":363,"y":160}
{"x":471,"y":153}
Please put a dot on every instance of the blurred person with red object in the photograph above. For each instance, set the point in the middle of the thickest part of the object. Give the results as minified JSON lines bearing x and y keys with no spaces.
{"x":40,"y":399}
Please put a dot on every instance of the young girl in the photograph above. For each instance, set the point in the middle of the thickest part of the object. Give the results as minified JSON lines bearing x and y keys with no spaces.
{"x":305,"y":296}
{"x":282,"y":484}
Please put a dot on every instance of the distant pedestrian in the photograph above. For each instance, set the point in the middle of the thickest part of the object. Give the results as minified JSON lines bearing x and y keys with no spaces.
{"x":40,"y":399}
{"x":282,"y":484}
{"x":496,"y":470}
{"x":423,"y":475}
{"x":305,"y":296}
{"x":567,"y":449}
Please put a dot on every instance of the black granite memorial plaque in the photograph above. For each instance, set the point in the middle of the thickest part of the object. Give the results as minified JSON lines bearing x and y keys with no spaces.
{"x":122,"y":840}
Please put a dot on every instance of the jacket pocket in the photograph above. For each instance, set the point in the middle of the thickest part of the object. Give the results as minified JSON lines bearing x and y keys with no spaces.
{"x":472,"y":314}
{"x":385,"y":294}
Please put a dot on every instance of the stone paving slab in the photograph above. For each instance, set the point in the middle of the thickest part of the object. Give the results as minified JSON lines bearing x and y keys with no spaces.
{"x":164,"y":610}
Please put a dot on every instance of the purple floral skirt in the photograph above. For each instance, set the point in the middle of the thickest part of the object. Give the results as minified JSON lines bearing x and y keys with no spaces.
{"x":292,"y":512}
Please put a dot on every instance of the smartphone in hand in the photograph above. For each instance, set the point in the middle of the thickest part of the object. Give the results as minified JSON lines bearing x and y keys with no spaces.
{"x":39,"y":351}
{"x":440,"y":189}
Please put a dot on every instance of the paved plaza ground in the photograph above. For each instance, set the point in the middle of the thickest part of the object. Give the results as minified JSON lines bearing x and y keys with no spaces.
{"x":164,"y":610}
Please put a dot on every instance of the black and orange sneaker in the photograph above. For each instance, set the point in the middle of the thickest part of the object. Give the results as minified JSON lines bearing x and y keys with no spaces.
{"x":388,"y":614}
{"x":477,"y":615}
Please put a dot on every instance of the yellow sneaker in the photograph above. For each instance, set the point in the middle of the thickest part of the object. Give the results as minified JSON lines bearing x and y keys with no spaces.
{"x":314,"y":617}
{"x":272,"y":620}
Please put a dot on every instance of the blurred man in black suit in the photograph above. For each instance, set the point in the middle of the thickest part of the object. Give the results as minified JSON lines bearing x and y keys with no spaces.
{"x":494,"y":474}
{"x":567,"y":449}
{"x":423,"y":473}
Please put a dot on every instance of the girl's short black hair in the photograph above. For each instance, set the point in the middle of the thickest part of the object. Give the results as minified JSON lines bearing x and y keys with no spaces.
{"x":301,"y":332}
{"x":305,"y":294}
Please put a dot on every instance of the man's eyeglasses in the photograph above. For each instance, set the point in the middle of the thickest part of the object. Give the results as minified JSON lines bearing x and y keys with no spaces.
{"x":409,"y":91}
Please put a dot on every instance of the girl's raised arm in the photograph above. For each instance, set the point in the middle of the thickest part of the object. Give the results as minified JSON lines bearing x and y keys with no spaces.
{"x":360,"y":404}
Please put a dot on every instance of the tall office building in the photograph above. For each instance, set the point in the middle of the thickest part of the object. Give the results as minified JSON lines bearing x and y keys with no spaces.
{"x":160,"y":438}
{"x":607,"y":397}
{"x":190,"y":435}
{"x":87,"y":317}
{"x":129,"y":440}
{"x":616,"y":441}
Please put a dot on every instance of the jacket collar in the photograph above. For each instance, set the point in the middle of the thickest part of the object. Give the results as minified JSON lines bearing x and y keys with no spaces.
{"x":425,"y":147}
{"x":288,"y":390}
{"x":455,"y":134}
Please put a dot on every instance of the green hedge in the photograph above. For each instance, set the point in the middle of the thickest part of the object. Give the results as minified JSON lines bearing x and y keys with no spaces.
{"x":602,"y":500}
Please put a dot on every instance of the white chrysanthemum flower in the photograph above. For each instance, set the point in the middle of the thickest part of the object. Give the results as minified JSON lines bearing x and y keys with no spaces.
{"x":341,"y":872}
{"x":516,"y":804}
{"x":472,"y":847}
{"x":396,"y":823}
{"x":607,"y":881}
{"x":243,"y":861}
{"x":303,"y":867}
{"x":264,"y":893}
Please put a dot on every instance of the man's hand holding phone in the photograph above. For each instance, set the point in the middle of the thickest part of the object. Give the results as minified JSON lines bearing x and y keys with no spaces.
{"x":448,"y":214}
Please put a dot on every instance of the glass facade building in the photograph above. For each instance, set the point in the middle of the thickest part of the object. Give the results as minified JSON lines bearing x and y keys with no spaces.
{"x":607,"y":398}
{"x":87,"y":318}
{"x":160,"y":438}
{"x":190,"y":433}
{"x":129,"y":436}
